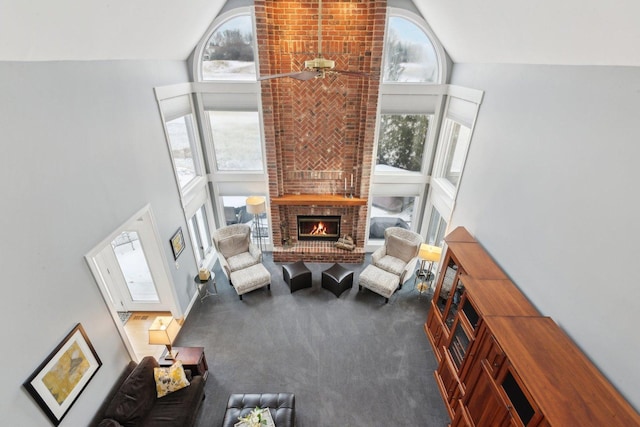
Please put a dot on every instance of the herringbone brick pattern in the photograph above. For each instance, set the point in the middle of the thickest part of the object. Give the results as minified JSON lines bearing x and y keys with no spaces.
{"x":319,"y":133}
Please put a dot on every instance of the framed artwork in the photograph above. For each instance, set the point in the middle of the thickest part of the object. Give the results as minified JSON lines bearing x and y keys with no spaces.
{"x":58,"y":381}
{"x":177,"y":243}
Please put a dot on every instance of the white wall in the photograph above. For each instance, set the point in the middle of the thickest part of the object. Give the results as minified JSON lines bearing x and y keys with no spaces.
{"x":82,"y":150}
{"x":550,"y":190}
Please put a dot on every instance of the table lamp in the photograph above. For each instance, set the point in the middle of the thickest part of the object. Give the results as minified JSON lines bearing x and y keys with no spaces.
{"x":431,"y":254}
{"x":163,"y":331}
{"x":256,"y":206}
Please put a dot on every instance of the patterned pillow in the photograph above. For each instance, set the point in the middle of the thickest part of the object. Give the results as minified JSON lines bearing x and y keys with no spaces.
{"x":170,"y":379}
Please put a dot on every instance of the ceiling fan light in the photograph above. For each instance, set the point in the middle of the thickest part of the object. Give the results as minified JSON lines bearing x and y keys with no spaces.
{"x":320,"y":63}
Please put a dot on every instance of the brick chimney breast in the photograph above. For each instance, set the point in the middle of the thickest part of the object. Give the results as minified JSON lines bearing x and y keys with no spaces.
{"x":320,"y":132}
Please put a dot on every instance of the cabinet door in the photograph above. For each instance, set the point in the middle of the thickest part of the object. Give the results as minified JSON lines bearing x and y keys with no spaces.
{"x":446,"y":281}
{"x":461,"y":417}
{"x":448,"y":383}
{"x":485,"y":404}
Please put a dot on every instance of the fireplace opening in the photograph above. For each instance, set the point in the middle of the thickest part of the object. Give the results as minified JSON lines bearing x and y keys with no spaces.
{"x":319,"y":227}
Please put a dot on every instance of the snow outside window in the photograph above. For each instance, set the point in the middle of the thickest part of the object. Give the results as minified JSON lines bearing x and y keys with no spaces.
{"x":458,"y":141}
{"x":401,"y":142}
{"x":228,"y":54}
{"x":409,"y":54}
{"x":182,"y":142}
{"x":390,"y":211}
{"x":236,"y":140}
{"x":200,"y":236}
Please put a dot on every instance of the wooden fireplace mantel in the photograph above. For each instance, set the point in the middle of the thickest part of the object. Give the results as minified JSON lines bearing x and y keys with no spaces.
{"x":317,"y":200}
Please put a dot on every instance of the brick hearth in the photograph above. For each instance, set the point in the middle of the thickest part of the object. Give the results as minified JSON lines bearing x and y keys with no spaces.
{"x":319,"y":133}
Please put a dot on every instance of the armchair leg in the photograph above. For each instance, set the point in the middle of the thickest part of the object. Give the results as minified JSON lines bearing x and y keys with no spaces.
{"x":359,"y":288}
{"x":240,"y":296}
{"x":386,"y":300}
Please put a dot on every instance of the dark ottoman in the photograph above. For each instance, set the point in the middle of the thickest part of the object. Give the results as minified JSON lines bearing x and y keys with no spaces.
{"x":337,"y":279}
{"x":281,"y":405}
{"x":297,"y":276}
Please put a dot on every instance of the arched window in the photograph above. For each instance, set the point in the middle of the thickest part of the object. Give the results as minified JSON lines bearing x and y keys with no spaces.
{"x":229,"y":54}
{"x":409,"y":54}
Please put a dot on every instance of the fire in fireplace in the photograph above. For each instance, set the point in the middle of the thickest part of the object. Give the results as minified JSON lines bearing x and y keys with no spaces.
{"x":318,"y":227}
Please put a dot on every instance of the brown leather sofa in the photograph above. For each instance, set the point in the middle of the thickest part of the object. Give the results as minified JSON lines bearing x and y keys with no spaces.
{"x":133,"y":400}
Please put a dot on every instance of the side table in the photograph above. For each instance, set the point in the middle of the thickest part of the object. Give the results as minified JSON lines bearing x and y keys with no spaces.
{"x":191,"y":357}
{"x":202,"y":286}
{"x":422,"y":281}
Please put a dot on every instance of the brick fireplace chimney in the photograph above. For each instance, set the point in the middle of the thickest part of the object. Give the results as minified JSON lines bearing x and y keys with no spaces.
{"x":320,"y":133}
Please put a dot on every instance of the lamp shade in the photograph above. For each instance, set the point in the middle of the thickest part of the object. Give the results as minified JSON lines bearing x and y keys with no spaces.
{"x":163,"y":330}
{"x":429,"y":252}
{"x":255,"y":205}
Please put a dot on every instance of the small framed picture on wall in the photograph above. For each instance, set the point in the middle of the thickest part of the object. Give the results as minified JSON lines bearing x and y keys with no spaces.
{"x":177,"y":243}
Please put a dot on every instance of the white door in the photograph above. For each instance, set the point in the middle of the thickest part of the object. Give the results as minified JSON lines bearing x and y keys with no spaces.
{"x":131,"y":267}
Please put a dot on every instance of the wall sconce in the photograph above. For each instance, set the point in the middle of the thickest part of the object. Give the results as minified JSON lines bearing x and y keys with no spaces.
{"x":163,"y":331}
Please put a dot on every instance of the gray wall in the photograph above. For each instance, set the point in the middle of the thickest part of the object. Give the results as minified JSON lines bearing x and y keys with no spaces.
{"x":550,"y":190}
{"x":82,"y":150}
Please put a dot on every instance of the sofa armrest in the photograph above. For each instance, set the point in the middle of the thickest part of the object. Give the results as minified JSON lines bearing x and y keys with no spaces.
{"x":99,"y":416}
{"x":378,"y":254}
{"x":255,"y":252}
{"x":408,"y":270}
{"x":224,"y":264}
{"x":108,"y":422}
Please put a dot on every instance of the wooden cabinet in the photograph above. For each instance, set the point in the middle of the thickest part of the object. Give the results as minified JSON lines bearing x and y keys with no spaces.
{"x":500,"y":362}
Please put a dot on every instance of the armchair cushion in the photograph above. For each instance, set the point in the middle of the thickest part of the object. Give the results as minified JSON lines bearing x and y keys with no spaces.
{"x":233,"y":245}
{"x":241,"y":261}
{"x":391,"y":264}
{"x":401,"y":248}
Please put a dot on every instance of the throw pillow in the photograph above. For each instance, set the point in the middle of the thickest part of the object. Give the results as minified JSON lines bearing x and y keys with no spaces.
{"x":170,"y":379}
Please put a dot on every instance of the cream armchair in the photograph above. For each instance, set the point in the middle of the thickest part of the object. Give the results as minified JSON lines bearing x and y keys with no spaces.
{"x":235,"y":249}
{"x":393,"y":263}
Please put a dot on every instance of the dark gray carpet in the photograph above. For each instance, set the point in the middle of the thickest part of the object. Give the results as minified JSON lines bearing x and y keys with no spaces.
{"x":351,"y":361}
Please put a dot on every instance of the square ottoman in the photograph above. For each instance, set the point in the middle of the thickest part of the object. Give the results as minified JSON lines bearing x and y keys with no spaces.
{"x":250,"y":278}
{"x":337,"y":279}
{"x":379,"y":281}
{"x":297,"y":276}
{"x":282,"y":407}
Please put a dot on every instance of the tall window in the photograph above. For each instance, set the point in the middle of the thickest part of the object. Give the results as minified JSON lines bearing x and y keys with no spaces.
{"x":456,"y":151}
{"x":401,"y":142}
{"x":200,"y":236}
{"x":390,"y":211}
{"x":409,"y":54}
{"x":236,"y":140}
{"x":455,"y":137}
{"x":182,"y":141}
{"x":228,"y":54}
{"x":436,"y":229}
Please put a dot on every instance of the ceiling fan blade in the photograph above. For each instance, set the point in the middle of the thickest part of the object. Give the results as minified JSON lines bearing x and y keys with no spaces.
{"x":298,"y":75}
{"x":351,"y":73}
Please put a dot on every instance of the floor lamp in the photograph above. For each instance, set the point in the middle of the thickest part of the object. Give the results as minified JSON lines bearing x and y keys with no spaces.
{"x":431,"y":254}
{"x":256,"y":206}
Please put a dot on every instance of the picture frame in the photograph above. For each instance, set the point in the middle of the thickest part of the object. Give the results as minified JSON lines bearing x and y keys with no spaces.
{"x":58,"y":382}
{"x":177,"y":243}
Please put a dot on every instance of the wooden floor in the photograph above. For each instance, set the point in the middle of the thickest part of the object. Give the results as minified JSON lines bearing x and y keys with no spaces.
{"x":137,"y":328}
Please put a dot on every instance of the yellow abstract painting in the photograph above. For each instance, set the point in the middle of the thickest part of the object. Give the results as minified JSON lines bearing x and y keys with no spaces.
{"x":66,"y":373}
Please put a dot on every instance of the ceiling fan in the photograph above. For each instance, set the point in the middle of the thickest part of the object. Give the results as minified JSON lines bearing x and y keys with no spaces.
{"x":317,"y":67}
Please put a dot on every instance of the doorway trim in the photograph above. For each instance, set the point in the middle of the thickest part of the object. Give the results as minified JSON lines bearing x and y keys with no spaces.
{"x":165,"y":287}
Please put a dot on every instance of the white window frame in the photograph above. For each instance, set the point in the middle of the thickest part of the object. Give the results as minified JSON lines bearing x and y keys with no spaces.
{"x":196,"y":65}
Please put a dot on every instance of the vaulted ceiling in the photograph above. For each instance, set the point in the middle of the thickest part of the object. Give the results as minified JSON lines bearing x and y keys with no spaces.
{"x":571,"y":32}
